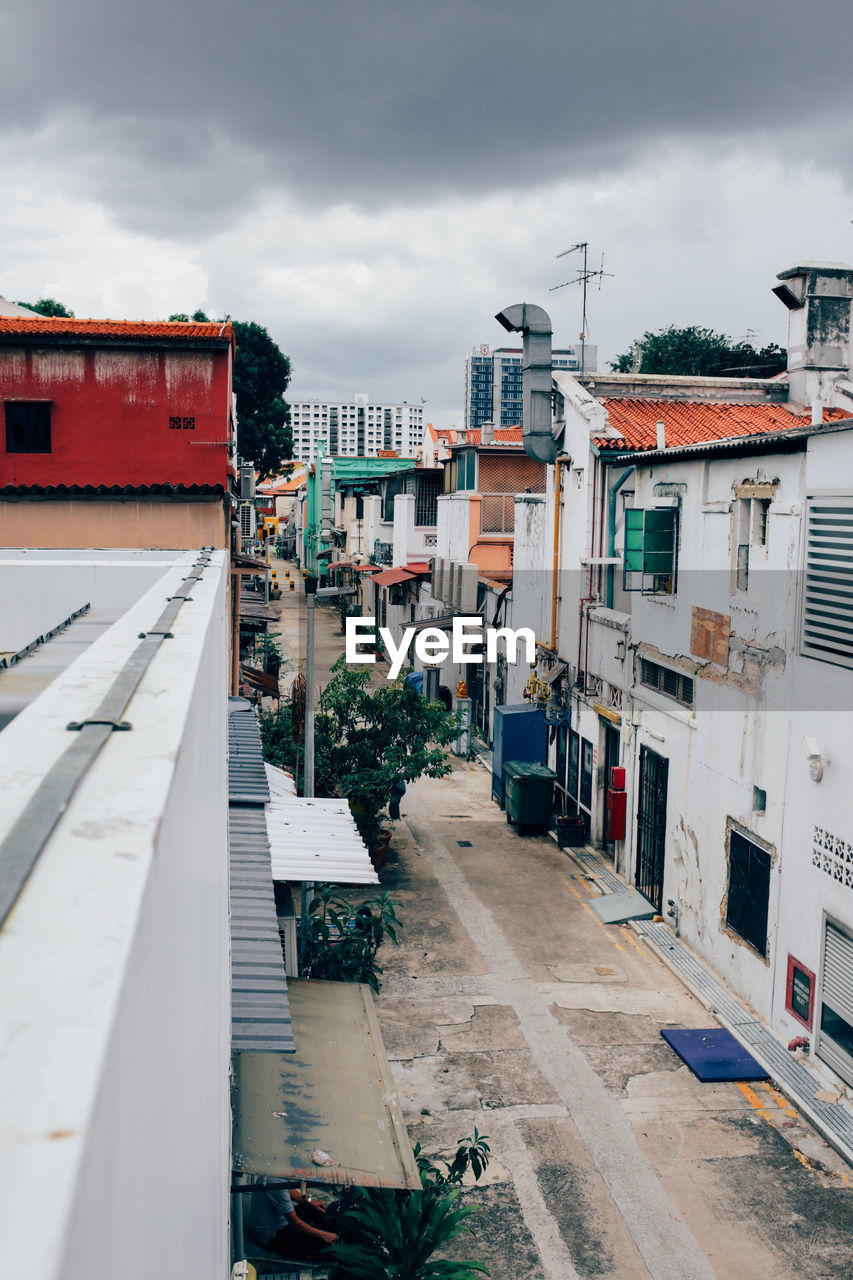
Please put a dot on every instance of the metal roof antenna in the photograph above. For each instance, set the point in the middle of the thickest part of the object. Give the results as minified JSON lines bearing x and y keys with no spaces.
{"x":583,"y":278}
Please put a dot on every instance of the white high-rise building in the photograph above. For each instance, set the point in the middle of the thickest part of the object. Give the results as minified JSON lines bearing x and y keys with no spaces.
{"x":355,"y":428}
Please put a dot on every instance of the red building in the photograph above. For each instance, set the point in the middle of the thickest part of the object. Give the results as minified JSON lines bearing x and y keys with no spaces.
{"x":115,"y":433}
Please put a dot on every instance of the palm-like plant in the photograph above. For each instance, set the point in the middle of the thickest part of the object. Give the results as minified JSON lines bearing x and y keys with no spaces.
{"x":394,"y":1234}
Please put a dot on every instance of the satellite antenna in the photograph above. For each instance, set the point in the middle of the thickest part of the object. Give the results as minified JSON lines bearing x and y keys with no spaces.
{"x":583,"y":278}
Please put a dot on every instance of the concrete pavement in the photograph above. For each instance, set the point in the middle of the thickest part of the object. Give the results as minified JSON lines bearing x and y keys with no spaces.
{"x":509,"y":1006}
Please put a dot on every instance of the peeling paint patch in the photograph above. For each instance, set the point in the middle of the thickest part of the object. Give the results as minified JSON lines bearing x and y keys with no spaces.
{"x":54,"y":365}
{"x":13,"y":367}
{"x":188,"y":372}
{"x":136,"y":372}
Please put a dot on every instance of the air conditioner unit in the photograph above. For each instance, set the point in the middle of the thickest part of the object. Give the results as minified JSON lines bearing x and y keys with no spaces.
{"x":467,"y":592}
{"x":453,"y":584}
{"x":248,"y":522}
{"x":435,"y":577}
{"x":247,"y":480}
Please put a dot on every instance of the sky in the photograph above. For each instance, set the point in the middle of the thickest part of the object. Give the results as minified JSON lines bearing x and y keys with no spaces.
{"x":373,"y":181}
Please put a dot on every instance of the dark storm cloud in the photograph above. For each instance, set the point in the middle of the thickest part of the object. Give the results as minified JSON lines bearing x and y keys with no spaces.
{"x":339,"y":100}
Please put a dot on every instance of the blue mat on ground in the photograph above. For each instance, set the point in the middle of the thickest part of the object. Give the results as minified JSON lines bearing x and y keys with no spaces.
{"x":714,"y":1055}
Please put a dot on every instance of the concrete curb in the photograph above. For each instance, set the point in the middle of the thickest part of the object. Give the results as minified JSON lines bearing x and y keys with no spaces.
{"x":794,"y":1095}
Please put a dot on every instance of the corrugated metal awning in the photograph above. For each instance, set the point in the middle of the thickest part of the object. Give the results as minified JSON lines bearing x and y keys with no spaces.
{"x":335,"y":1095}
{"x":314,"y":840}
{"x":391,"y":577}
{"x":260,"y":1011}
{"x":444,"y":621}
{"x":247,"y":780}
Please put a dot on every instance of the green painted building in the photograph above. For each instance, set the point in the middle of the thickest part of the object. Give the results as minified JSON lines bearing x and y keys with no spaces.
{"x":350,"y":473}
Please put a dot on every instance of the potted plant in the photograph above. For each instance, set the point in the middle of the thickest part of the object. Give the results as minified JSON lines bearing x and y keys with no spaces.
{"x":394,"y":1235}
{"x":572,"y":830}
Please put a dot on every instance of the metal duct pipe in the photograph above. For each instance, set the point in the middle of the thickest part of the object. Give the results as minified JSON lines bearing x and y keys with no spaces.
{"x":327,"y":467}
{"x":534,"y":325}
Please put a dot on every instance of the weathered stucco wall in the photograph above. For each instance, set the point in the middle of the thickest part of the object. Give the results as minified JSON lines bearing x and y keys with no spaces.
{"x":121,"y":417}
{"x":173,"y":523}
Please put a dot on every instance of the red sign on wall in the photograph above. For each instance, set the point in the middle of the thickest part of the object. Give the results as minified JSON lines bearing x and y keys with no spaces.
{"x":799,"y":992}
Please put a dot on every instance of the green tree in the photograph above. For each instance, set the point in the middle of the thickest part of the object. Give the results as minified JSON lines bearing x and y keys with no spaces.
{"x":367,"y":740}
{"x":197,"y":317}
{"x":261,"y":375}
{"x":699,"y":352}
{"x":48,"y":307}
{"x":364,"y":741}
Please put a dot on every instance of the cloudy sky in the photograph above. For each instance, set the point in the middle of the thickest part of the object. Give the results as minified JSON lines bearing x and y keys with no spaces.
{"x":374,"y":179}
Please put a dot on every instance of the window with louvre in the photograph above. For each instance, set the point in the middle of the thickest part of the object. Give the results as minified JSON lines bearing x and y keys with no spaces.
{"x":651,"y":536}
{"x":827,"y":620}
{"x":674,"y":684}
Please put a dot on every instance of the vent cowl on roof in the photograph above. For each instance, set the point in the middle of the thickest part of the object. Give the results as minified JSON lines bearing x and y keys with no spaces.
{"x":534,"y":325}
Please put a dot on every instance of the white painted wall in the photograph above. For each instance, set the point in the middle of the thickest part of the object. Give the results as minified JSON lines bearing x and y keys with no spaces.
{"x":403,"y":534}
{"x":41,"y":589}
{"x":821,"y":698}
{"x":115,"y":1022}
{"x":454,"y":527}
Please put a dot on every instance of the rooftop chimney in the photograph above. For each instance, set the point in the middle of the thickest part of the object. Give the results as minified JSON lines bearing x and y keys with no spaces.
{"x":661,"y":434}
{"x":487,"y":434}
{"x":534,"y":324}
{"x":818,"y":296}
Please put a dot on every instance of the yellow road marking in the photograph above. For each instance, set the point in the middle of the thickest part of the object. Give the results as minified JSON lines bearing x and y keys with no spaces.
{"x":779,"y":1098}
{"x":754,"y":1101}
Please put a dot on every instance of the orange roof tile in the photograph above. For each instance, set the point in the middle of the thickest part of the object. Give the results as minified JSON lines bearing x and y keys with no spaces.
{"x":148,"y":330}
{"x":502,"y":435}
{"x":288,"y":485}
{"x":688,"y":422}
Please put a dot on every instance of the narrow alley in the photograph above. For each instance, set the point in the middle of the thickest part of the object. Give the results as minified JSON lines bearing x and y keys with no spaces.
{"x":509,"y":1007}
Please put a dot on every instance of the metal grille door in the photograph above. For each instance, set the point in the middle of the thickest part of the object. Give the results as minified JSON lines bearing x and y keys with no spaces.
{"x":651,"y":826}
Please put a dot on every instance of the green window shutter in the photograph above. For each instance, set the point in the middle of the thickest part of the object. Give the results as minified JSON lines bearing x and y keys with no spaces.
{"x":650,"y":536}
{"x":659,"y":541}
{"x":634,"y":540}
{"x":632,"y":565}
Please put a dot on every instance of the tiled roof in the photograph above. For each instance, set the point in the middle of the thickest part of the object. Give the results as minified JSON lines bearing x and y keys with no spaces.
{"x":293,"y":482}
{"x":502,"y":435}
{"x":114,"y":330}
{"x":106,"y":490}
{"x":688,"y":422}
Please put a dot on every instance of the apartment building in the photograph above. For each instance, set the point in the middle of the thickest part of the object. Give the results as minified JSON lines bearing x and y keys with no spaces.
{"x":493,"y":381}
{"x":357,"y":428}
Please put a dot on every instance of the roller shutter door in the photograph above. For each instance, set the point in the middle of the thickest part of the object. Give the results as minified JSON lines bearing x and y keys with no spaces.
{"x":835,"y":1024}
